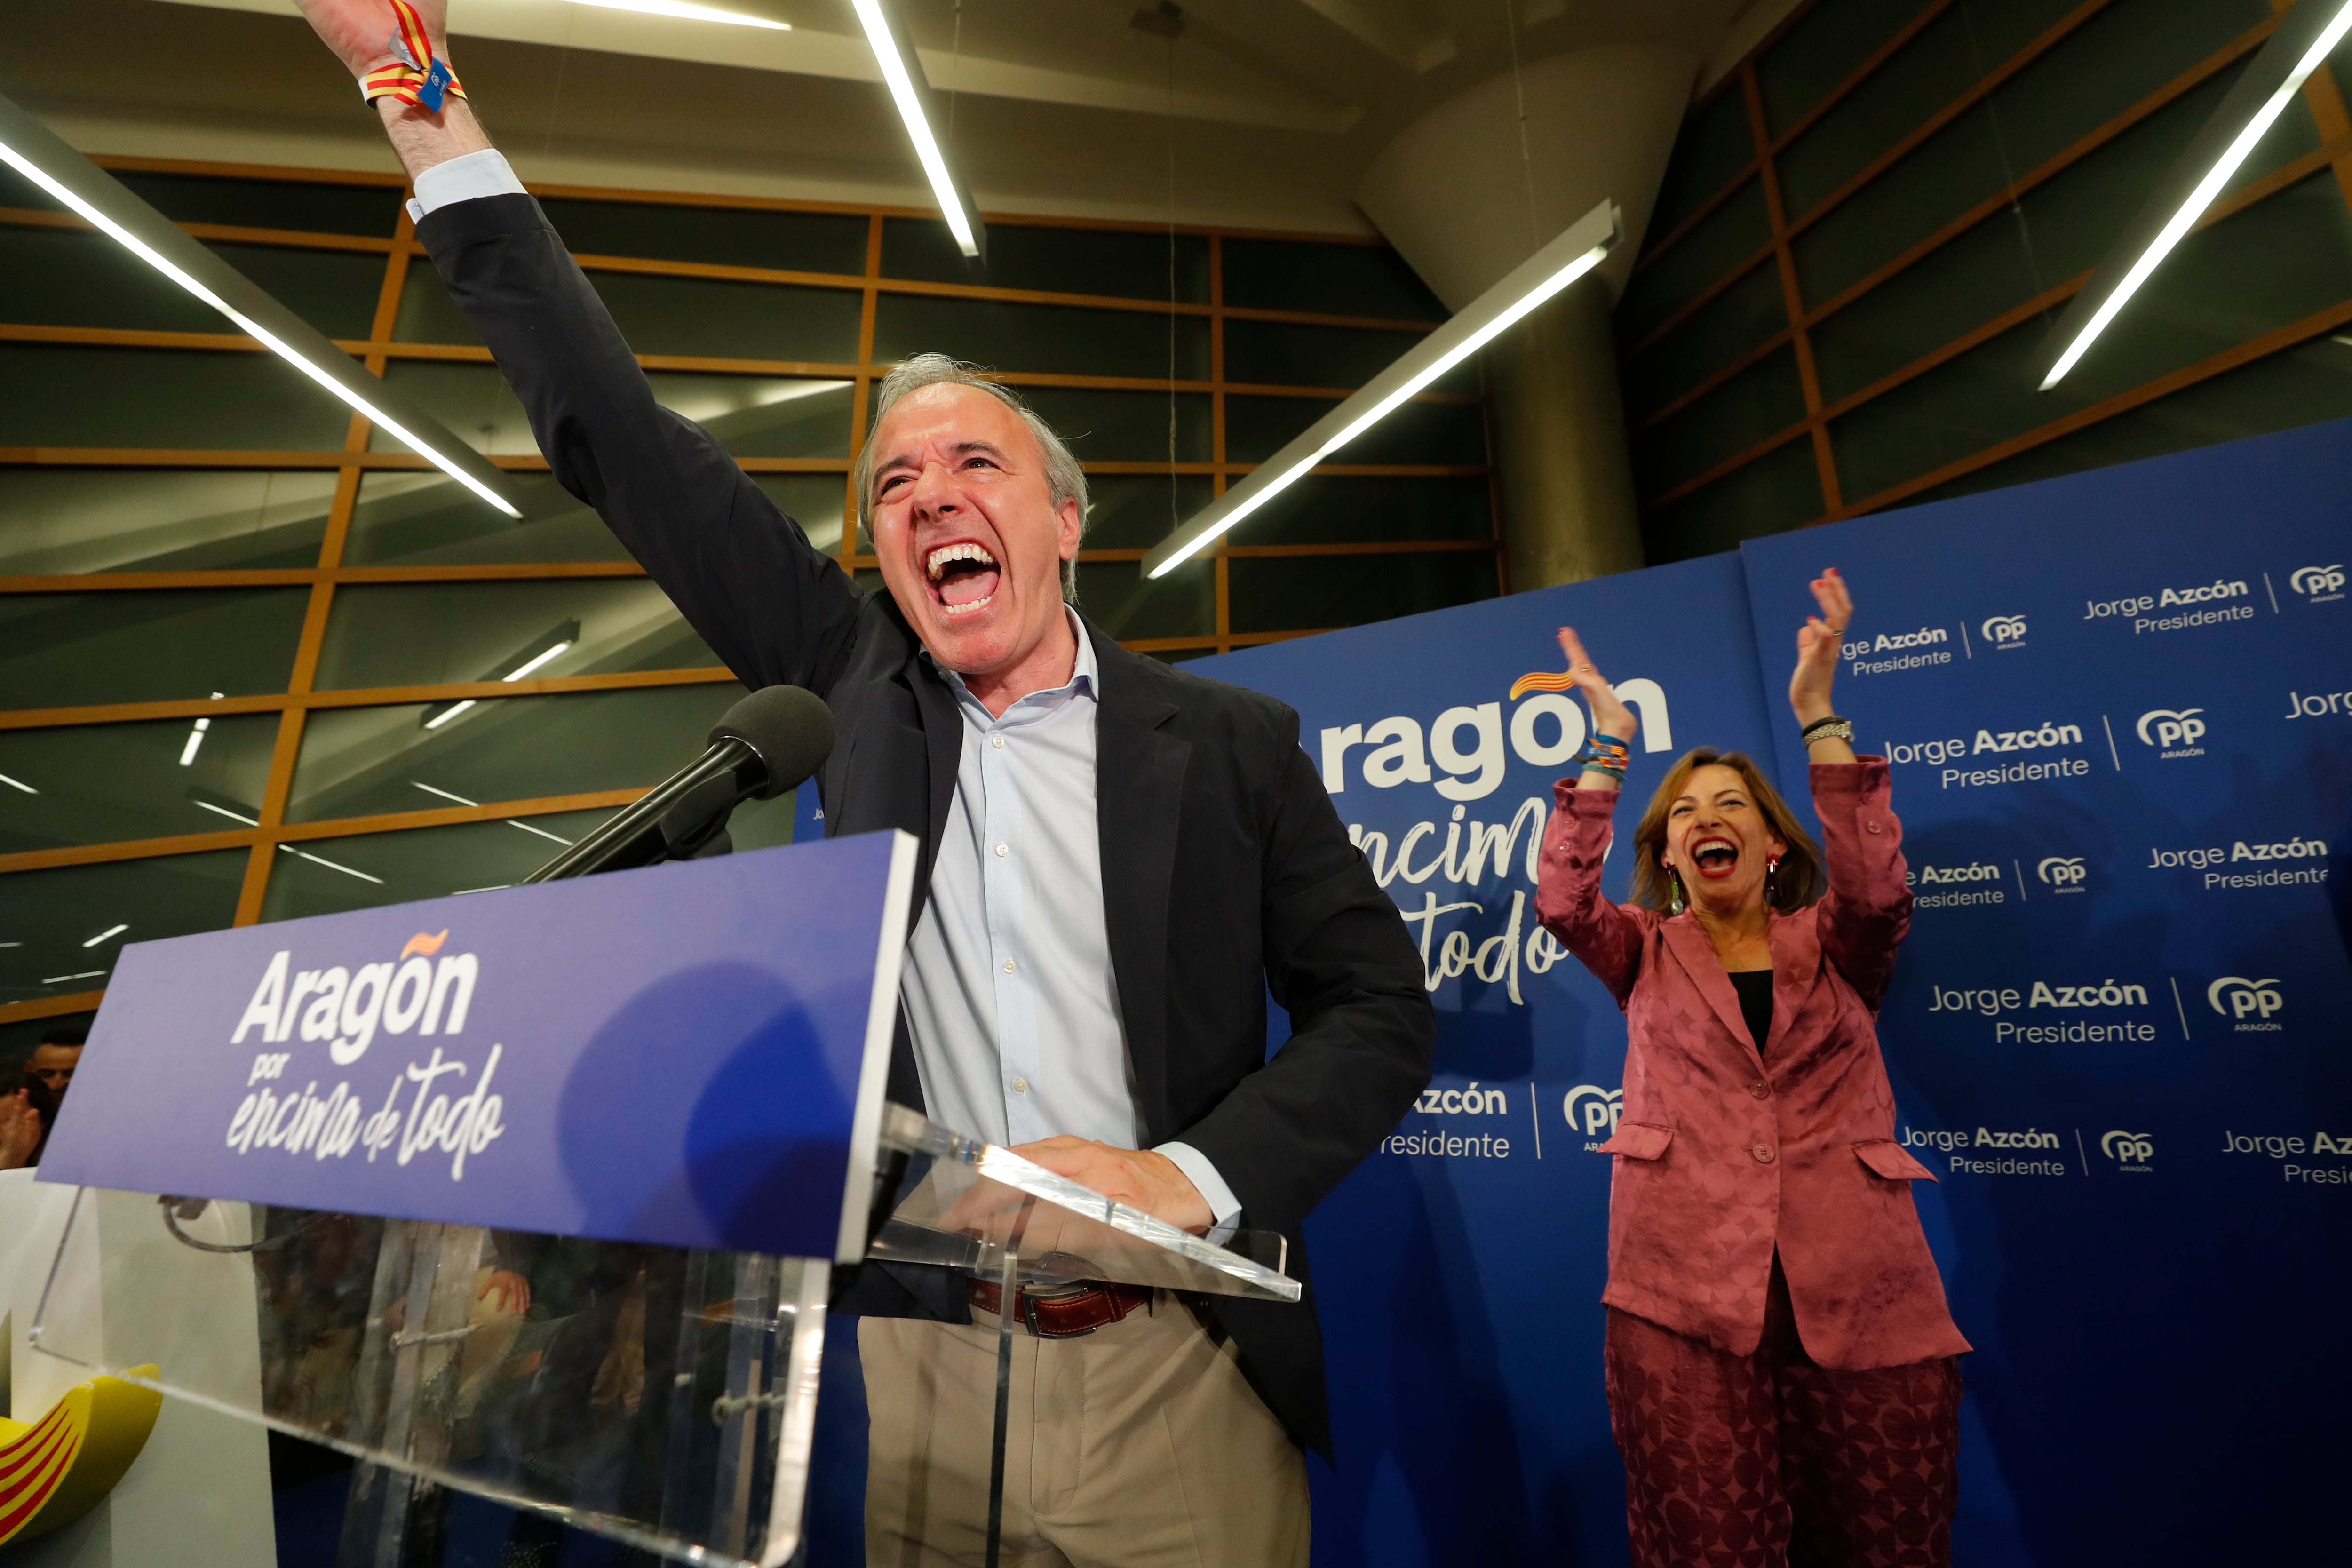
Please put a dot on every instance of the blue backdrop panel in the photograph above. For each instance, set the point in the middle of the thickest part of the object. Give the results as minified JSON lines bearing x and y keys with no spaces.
{"x":2122,"y":742}
{"x":1460,"y":1267}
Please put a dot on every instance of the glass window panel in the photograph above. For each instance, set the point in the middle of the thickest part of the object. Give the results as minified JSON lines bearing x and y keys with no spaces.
{"x":363,"y":761}
{"x":431,"y":634}
{"x":2275,"y":263}
{"x":2301,"y":386}
{"x":1117,"y":598}
{"x":1119,"y":262}
{"x":65,"y":650}
{"x":2103,"y":66}
{"x":99,"y":783}
{"x":15,"y":191}
{"x":334,"y":291}
{"x":160,"y":520}
{"x":1052,"y":339}
{"x":329,"y":876}
{"x":762,"y":416}
{"x":1330,"y":279}
{"x":1732,"y":233}
{"x":724,"y":236}
{"x":427,"y":314}
{"x":1448,"y":433}
{"x":1727,"y":326}
{"x":1277,"y":353}
{"x":1338,"y":509}
{"x":1123,"y":427}
{"x":1760,"y":401}
{"x":1135,"y":511}
{"x":74,"y":278}
{"x":816,"y":501}
{"x":429,"y":520}
{"x":46,"y":916}
{"x":1713,"y":145}
{"x":1777,"y":491}
{"x":731,"y":321}
{"x":371,"y":210}
{"x":1317,"y":591}
{"x":1949,"y":55}
{"x":752,"y":415}
{"x":53,"y":396}
{"x":1823,"y":50}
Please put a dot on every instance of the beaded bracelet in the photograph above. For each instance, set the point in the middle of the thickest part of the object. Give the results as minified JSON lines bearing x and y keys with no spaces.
{"x":1605,"y":754}
{"x":1832,"y":728}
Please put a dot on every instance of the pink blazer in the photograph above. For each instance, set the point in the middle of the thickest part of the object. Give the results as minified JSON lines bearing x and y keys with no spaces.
{"x":1720,"y":1158}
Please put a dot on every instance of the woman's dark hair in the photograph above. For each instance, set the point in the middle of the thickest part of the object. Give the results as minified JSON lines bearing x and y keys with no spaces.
{"x":1798,"y":881}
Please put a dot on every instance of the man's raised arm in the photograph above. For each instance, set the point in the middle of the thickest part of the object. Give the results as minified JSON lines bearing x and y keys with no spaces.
{"x":746,"y":577}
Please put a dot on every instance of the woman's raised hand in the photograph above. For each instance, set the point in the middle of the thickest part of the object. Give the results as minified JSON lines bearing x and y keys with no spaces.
{"x":1610,"y":716}
{"x":1818,"y":642}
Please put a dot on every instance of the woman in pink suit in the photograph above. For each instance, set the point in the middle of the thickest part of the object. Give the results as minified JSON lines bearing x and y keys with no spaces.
{"x":1783,"y":1373}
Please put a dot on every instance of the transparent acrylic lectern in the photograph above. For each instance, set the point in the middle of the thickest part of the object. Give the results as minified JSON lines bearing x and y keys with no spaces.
{"x":661,"y":1397}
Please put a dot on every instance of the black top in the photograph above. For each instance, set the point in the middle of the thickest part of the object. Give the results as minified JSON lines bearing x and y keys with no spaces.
{"x":1754,"y":988}
{"x":1226,"y":872}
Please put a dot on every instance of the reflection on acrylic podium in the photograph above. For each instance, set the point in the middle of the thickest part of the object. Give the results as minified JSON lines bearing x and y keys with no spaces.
{"x":663,"y":1396}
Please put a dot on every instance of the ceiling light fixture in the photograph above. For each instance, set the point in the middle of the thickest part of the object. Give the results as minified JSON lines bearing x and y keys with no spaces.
{"x":111,"y":930}
{"x":195,"y":739}
{"x":18,"y":784}
{"x":686,"y":13}
{"x":45,"y":159}
{"x":84,"y":974}
{"x":2304,"y":40}
{"x":1577,"y":250}
{"x":537,"y":654}
{"x":896,"y":55}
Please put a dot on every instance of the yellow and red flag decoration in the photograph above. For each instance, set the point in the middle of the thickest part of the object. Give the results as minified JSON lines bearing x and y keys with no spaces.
{"x":415,"y":77}
{"x":56,"y":1469}
{"x":1541,"y":680}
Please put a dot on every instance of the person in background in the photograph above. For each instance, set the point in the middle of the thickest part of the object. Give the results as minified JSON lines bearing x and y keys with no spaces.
{"x":54,"y":1059}
{"x":29,"y":1100}
{"x":1782,"y":1372}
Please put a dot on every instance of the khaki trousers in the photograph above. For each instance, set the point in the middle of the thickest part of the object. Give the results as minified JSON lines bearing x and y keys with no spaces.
{"x":1137,"y":1445}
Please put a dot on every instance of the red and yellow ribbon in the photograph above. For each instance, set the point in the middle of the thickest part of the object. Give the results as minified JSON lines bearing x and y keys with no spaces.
{"x":415,"y":77}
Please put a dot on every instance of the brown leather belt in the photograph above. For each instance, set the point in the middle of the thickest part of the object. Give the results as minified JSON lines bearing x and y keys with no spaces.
{"x":1068,"y":1312}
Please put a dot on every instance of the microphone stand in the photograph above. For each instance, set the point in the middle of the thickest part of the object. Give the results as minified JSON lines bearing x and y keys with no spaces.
{"x":610,"y":848}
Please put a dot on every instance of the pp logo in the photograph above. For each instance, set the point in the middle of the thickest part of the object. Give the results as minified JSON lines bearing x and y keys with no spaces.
{"x":2318,"y":582}
{"x":1593,"y":1109}
{"x":2234,"y":996}
{"x":2004,"y":631}
{"x":2064,"y":872}
{"x":2172,"y":729}
{"x":2128,"y":1149}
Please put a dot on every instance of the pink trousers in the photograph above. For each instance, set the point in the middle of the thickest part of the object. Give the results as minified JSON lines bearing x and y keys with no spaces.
{"x":1769,"y":1459}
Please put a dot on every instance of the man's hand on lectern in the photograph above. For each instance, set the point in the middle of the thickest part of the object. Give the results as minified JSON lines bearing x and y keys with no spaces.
{"x":1136,"y":1177}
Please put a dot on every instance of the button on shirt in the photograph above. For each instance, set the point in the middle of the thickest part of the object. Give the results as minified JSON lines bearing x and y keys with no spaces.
{"x":1010,"y":994}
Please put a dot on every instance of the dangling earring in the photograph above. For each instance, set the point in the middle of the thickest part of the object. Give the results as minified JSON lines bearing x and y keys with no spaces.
{"x":1769,"y":868}
{"x":1674,"y":885}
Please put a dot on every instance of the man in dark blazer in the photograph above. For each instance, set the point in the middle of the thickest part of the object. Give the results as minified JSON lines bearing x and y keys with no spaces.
{"x":1119,"y":862}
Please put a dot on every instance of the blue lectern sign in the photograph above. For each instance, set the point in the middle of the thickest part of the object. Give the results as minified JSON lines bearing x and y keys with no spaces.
{"x":690,"y":1055}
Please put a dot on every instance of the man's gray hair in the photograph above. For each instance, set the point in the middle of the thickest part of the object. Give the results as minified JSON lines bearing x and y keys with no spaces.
{"x":1064,"y":481}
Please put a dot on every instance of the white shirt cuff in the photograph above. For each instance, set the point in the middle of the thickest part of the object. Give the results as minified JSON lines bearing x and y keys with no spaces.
{"x":482,"y":174}
{"x":1223,"y":1204}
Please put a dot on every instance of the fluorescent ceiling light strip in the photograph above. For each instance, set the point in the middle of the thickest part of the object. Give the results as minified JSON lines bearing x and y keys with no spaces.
{"x":443,"y":718}
{"x":2208,"y":191}
{"x":252,"y":327}
{"x":84,"y":974}
{"x":444,"y":795}
{"x":232,"y":815}
{"x":686,"y":13}
{"x":542,"y":832}
{"x":116,"y":930}
{"x":329,"y":864}
{"x":535,"y":661}
{"x":18,"y":784}
{"x":897,"y":75}
{"x":1586,"y":244}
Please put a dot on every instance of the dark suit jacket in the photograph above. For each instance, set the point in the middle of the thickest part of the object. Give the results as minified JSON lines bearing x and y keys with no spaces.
{"x":1226,"y":873}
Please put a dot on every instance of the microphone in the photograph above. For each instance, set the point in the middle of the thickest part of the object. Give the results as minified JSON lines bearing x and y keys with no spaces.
{"x":767,"y":743}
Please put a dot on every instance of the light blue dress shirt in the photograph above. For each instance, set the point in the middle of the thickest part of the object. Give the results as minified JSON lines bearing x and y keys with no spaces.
{"x":1009,"y":990}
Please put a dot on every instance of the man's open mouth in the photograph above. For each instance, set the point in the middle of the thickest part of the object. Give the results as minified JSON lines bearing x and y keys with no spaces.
{"x":1715,"y":858}
{"x":963,"y":577}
